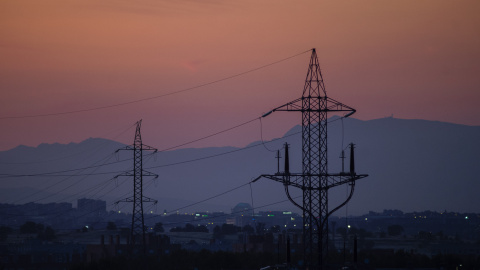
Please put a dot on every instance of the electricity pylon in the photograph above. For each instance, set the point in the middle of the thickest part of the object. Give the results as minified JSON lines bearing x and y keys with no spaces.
{"x":137,"y":233}
{"x":315,"y":181}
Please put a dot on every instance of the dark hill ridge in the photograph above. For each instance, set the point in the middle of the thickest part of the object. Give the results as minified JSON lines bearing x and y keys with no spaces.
{"x":413,"y":165}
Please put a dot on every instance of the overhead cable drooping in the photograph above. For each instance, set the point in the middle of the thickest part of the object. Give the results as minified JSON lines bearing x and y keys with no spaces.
{"x":57,"y":173}
{"x":153,"y":97}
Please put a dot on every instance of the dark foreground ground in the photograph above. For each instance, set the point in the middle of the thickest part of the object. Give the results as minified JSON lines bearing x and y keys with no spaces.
{"x":183,"y":259}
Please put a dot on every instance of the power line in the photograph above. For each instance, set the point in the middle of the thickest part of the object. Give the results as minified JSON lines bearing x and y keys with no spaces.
{"x":60,"y":213}
{"x":96,"y":167}
{"x":221,"y":154}
{"x":97,"y":148}
{"x":56,"y":174}
{"x":235,"y":150}
{"x":69,"y":186}
{"x":57,"y":183}
{"x":154,"y":97}
{"x":261,"y":136}
{"x":210,"y":198}
{"x":51,"y":174}
{"x":211,"y":135}
{"x":223,"y":215}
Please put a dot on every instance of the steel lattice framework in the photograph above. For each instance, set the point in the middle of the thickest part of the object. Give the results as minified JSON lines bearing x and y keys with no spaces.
{"x":137,"y":233}
{"x":315,"y":181}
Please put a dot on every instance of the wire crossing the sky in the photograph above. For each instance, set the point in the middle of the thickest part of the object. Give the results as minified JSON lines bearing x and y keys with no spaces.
{"x":154,"y":97}
{"x":59,"y":173}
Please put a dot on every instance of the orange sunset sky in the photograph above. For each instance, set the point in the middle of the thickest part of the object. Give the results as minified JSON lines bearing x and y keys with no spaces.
{"x":413,"y":59}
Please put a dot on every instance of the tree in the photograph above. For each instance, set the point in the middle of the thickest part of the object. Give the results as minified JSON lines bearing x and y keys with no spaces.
{"x":192,"y":242}
{"x":226,"y":229}
{"x":260,"y":227}
{"x":217,"y":232}
{"x":189,"y":228}
{"x":4,"y":232}
{"x":48,"y":234}
{"x":342,"y":231}
{"x":42,"y":233}
{"x":111,"y":226}
{"x":158,"y":227}
{"x":40,"y":227}
{"x":28,"y":227}
{"x":201,"y":229}
{"x":275,"y":229}
{"x":427,"y":236}
{"x":248,"y":229}
{"x":31,"y":227}
{"x":395,"y":230}
{"x":230,"y":229}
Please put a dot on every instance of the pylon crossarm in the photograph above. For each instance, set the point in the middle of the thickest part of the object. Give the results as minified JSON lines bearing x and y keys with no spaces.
{"x":333,"y":179}
{"x":331,"y":106}
{"x":147,"y":173}
{"x":147,"y":199}
{"x":129,"y":199}
{"x":144,"y":173}
{"x":295,"y":105}
{"x":132,"y":147}
{"x":129,"y":173}
{"x":336,"y":106}
{"x":148,"y":148}
{"x":128,"y":147}
{"x":285,"y":180}
{"x":341,"y":179}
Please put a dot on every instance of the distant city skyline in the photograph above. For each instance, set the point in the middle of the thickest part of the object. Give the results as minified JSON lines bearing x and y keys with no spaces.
{"x":410,"y":59}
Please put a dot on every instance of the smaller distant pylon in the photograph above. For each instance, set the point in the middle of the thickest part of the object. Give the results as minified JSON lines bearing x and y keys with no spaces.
{"x":137,"y":233}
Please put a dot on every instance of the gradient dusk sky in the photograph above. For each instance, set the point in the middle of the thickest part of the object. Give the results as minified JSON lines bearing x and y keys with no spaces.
{"x":414,"y":59}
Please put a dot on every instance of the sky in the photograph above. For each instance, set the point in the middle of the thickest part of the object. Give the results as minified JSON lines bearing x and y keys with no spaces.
{"x":411,"y":59}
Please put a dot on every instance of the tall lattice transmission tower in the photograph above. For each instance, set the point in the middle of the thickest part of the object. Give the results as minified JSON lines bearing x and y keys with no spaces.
{"x":315,"y":180}
{"x":137,"y":233}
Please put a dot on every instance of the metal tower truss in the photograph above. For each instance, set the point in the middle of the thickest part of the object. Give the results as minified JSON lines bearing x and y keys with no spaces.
{"x":315,"y":181}
{"x":137,"y":233}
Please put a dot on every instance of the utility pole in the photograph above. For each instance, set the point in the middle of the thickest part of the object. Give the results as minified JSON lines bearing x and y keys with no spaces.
{"x":314,"y":180}
{"x":137,"y":233}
